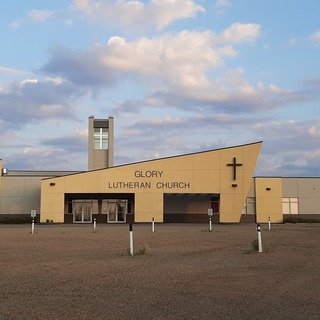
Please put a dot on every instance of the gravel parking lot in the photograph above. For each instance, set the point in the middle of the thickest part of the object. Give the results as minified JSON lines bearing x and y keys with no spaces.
{"x":180,"y":271}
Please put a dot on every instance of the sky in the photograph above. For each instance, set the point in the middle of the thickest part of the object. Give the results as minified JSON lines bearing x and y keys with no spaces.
{"x":178,"y":76}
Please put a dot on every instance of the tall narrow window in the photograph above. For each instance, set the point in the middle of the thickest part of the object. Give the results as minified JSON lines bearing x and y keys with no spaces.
{"x":250,"y":206}
{"x":101,"y":138}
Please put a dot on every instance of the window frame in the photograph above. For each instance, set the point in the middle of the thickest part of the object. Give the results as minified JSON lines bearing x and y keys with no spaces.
{"x":101,"y":138}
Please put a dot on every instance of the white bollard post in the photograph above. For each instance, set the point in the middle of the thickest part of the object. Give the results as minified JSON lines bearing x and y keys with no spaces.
{"x":131,"y":239}
{"x":269,"y":223}
{"x":152,"y":224}
{"x":94,"y":225}
{"x":32,"y":226}
{"x":259,"y":238}
{"x":210,"y":213}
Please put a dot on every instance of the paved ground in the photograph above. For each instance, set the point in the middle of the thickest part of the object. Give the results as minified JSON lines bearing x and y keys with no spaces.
{"x":177,"y":272}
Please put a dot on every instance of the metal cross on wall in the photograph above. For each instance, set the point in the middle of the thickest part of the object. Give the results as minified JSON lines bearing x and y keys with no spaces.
{"x":234,"y":164}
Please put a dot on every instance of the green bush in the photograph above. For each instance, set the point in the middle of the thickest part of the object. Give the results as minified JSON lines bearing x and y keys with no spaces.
{"x":15,"y":220}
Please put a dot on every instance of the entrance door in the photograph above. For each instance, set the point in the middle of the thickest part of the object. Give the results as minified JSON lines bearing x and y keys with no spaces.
{"x":82,"y":211}
{"x":116,"y":209}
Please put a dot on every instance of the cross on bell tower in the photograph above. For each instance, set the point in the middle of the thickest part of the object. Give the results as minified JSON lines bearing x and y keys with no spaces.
{"x":234,"y":164}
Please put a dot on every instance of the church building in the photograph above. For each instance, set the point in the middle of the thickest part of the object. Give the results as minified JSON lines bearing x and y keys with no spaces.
{"x":174,"y":189}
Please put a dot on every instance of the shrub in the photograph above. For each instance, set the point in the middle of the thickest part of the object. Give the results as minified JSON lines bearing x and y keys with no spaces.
{"x":300,"y":220}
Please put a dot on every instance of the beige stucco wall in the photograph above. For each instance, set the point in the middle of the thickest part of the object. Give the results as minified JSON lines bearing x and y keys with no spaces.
{"x":204,"y":172}
{"x":307,"y":190}
{"x":268,"y":199}
{"x":19,"y":195}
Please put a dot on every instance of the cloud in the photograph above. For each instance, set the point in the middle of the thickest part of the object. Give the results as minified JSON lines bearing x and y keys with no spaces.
{"x":184,"y":70}
{"x":314,"y":131}
{"x":73,"y":143}
{"x":315,"y":37}
{"x":43,"y":16}
{"x":314,"y":155}
{"x":44,"y":158}
{"x":69,"y":22}
{"x":180,"y":60}
{"x":290,"y":136}
{"x":32,"y":99}
{"x":37,"y":152}
{"x":40,"y":15}
{"x":137,"y":14}
{"x":223,"y":3}
{"x":127,"y":106}
{"x":15,"y":24}
{"x":292,"y":41}
{"x":221,"y":6}
{"x":82,"y":68}
{"x":239,"y":32}
{"x":67,"y":152}
{"x":36,"y":16}
{"x":165,"y":12}
{"x":230,"y":92}
{"x":313,"y":83}
{"x":11,"y":70}
{"x":166,"y":135}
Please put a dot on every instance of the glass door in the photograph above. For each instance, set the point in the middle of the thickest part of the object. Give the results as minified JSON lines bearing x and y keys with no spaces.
{"x":116,"y":209}
{"x":82,"y":211}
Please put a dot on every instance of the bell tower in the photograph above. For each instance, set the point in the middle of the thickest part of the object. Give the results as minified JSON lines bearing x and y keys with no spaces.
{"x":100,"y":143}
